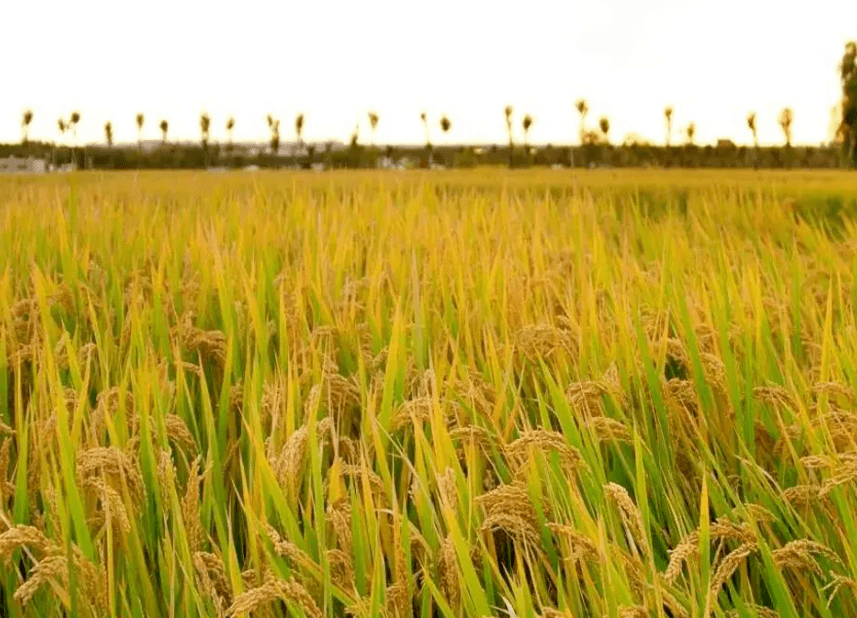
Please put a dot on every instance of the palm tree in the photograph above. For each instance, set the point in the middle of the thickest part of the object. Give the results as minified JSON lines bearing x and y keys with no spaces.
{"x":165,"y":126}
{"x":108,"y":136}
{"x":230,"y":124}
{"x":582,"y":109}
{"x":274,"y":126}
{"x":373,"y":125}
{"x":62,"y":126}
{"x":604,"y":124}
{"x":140,"y":120}
{"x":668,"y":114}
{"x":299,"y":127}
{"x":508,"y":112}
{"x":526,"y":124}
{"x":26,"y":119}
{"x":445,"y":124}
{"x":424,"y":118}
{"x":690,"y":131}
{"x":204,"y":127}
{"x":354,"y":147}
{"x":73,"y":122}
{"x":785,"y":120}
{"x":751,"y":123}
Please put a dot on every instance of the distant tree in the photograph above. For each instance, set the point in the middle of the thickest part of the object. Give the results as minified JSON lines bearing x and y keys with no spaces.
{"x":354,"y":147}
{"x":26,"y":119}
{"x":526,"y":124}
{"x":424,"y":118}
{"x":847,"y":130}
{"x":445,"y":124}
{"x":582,"y":109}
{"x":108,"y":133}
{"x":140,"y":119}
{"x":751,"y":123}
{"x":690,"y":132}
{"x":62,"y":126}
{"x":604,"y":125}
{"x":274,"y":127}
{"x":508,"y":112}
{"x":230,"y":125}
{"x":373,"y":125}
{"x":668,"y":115}
{"x":204,"y":129}
{"x":74,"y":120}
{"x":785,"y":119}
{"x":165,"y":126}
{"x":299,"y":128}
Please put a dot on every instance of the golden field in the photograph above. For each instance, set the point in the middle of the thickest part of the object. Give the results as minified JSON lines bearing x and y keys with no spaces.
{"x":459,"y":394}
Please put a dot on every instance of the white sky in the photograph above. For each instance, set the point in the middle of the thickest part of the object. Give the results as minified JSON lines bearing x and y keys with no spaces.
{"x":335,"y":60}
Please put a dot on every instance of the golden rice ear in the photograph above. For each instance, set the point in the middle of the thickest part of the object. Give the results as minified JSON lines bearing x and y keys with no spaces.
{"x":631,"y":517}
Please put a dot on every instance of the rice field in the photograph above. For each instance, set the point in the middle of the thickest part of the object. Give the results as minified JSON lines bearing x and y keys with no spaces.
{"x":418,"y":395}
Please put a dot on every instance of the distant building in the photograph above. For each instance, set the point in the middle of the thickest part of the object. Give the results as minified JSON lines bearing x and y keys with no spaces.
{"x":725,"y":143}
{"x":18,"y":165}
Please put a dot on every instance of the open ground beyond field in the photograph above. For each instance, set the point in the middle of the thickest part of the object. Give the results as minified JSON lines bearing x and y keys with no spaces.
{"x":457,"y":394}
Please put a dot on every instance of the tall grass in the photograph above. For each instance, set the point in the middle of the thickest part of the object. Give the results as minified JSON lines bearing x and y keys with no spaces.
{"x":427,"y":395}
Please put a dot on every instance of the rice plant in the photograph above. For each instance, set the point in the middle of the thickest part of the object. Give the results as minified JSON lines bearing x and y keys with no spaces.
{"x":462,"y":394}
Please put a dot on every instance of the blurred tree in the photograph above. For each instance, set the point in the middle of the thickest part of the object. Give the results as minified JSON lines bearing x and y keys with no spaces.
{"x":299,"y":128}
{"x":445,"y":124}
{"x":785,"y":119}
{"x":668,"y":114}
{"x":74,"y":120}
{"x":508,"y":111}
{"x":582,"y":109}
{"x":424,"y":118}
{"x":140,"y":120}
{"x":354,"y":147}
{"x":165,"y":126}
{"x":848,"y":127}
{"x":230,"y":125}
{"x":604,"y":124}
{"x":373,"y":125}
{"x":26,"y":119}
{"x":108,"y":133}
{"x":61,"y":125}
{"x":204,"y":127}
{"x":526,"y":124}
{"x":751,"y":123}
{"x":274,"y":127}
{"x":691,"y":132}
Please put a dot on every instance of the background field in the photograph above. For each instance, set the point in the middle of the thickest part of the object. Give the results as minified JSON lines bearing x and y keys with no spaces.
{"x":477,"y":393}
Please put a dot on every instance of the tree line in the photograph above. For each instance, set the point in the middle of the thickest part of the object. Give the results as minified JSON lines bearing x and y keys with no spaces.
{"x":595,"y":143}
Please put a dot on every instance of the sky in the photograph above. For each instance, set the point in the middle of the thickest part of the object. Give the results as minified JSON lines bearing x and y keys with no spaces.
{"x":336,"y":60}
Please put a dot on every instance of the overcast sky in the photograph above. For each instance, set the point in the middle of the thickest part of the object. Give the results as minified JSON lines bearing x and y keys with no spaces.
{"x":335,"y":60}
